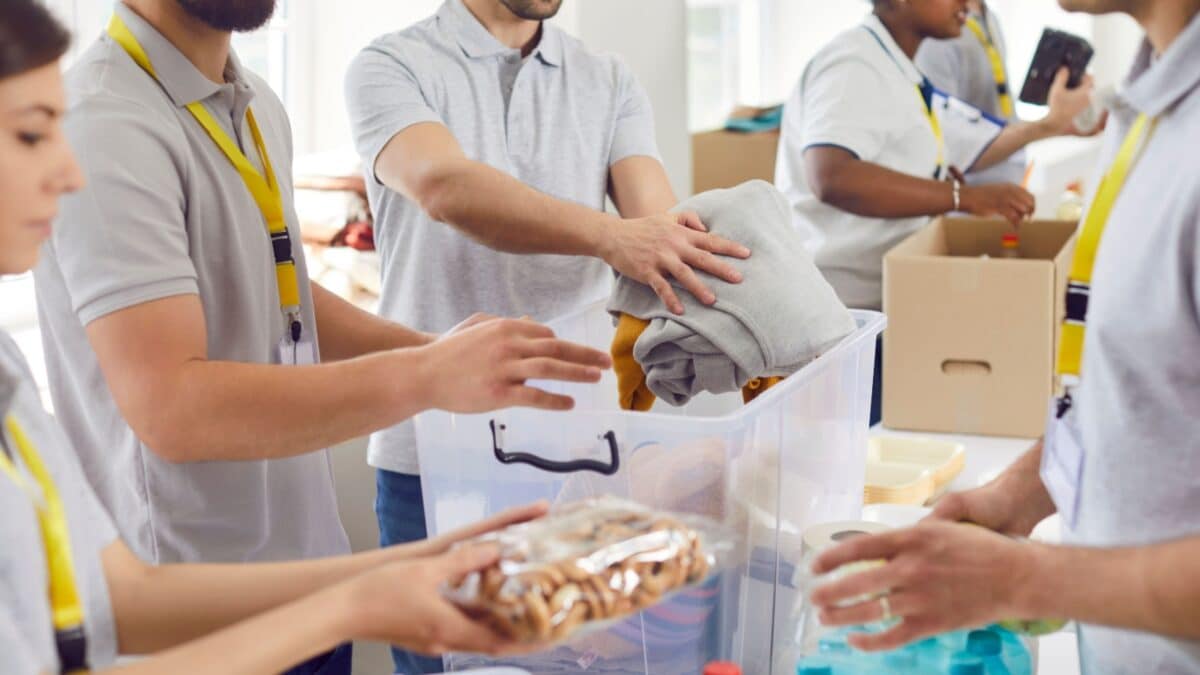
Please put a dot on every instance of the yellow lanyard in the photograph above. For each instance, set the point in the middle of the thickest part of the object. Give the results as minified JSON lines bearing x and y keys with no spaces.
{"x":1070,"y":348}
{"x":264,"y":189}
{"x":998,"y":70}
{"x":936,"y":125}
{"x":66,"y":609}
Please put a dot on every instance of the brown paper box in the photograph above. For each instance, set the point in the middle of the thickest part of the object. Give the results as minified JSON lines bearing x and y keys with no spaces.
{"x":724,"y":159}
{"x":970,"y":345}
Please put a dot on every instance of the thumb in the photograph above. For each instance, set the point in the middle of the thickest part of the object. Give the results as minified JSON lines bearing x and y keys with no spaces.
{"x":466,"y":559}
{"x":952,"y":508}
{"x":691,"y":220}
{"x":1062,"y":77}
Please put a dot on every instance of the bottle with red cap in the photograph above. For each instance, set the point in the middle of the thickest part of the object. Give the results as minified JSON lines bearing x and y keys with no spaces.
{"x":722,"y":668}
{"x":1010,"y":246}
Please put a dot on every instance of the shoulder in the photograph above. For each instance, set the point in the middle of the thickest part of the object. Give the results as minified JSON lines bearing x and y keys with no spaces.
{"x":853,"y":50}
{"x":12,"y":360}
{"x":593,"y":66}
{"x":410,"y":47}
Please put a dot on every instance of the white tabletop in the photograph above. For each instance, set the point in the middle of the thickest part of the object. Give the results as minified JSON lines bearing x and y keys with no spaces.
{"x":986,"y":458}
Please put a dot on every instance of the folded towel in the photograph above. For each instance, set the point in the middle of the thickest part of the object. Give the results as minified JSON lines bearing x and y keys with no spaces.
{"x":782,"y":316}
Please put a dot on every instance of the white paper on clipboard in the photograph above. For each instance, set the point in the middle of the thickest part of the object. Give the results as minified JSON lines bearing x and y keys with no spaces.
{"x":967,"y":129}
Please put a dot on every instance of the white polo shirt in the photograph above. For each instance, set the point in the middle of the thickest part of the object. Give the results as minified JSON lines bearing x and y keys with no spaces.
{"x":859,"y":93}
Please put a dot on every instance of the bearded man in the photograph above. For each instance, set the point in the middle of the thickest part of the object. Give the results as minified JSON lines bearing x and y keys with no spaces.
{"x":490,"y":141}
{"x":180,"y":326}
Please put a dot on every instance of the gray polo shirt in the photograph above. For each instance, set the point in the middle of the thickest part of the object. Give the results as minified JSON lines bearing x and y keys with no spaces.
{"x":961,"y":67}
{"x":1139,"y":401}
{"x":26,"y":626}
{"x":556,"y":121}
{"x":166,"y":214}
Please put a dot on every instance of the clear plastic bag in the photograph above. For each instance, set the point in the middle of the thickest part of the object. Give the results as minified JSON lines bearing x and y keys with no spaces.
{"x":586,"y":565}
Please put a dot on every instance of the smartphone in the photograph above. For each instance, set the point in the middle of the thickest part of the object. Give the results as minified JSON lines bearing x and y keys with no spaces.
{"x":1055,"y":50}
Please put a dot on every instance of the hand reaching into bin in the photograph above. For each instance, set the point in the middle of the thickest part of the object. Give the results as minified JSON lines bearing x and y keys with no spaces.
{"x":485,"y":364}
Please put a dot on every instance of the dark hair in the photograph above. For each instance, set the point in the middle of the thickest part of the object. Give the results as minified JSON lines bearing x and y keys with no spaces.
{"x":30,"y":37}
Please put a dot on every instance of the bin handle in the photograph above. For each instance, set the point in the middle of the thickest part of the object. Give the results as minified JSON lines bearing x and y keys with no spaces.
{"x":609,"y":468}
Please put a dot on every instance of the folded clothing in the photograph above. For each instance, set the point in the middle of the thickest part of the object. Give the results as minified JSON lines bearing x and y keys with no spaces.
{"x":782,"y":316}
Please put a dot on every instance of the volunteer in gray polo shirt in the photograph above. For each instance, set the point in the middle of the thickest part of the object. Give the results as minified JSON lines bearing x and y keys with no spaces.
{"x":1119,"y":460}
{"x":491,"y":140}
{"x":178,"y":328}
{"x":72,"y":595}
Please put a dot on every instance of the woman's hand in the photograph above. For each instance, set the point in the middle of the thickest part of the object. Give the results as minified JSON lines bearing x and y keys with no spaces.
{"x":401,"y":603}
{"x":1011,"y":202}
{"x":443,"y":543}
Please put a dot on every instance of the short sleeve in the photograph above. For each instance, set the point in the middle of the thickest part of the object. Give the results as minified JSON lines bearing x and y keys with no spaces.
{"x":634,"y":134}
{"x":941,"y":61}
{"x":383,"y":98}
{"x":16,"y":656}
{"x":842,"y":101}
{"x":122,"y":240}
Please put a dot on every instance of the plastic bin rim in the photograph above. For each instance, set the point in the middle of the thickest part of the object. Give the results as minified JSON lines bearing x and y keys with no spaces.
{"x":870,"y":325}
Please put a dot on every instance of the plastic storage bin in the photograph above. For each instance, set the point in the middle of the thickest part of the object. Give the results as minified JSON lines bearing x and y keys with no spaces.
{"x":793,"y":457}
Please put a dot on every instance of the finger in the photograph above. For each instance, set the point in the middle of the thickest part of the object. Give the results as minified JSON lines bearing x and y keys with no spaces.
{"x":526,"y":328}
{"x":513,"y":516}
{"x":531,"y":397}
{"x":907,"y":631}
{"x":663,"y":290}
{"x":462,"y":561}
{"x":720,"y":245}
{"x":873,"y":547}
{"x":900,"y":604}
{"x":544,"y":368}
{"x":688,"y":279}
{"x":691,"y":220}
{"x":454,"y":631}
{"x":706,"y":262}
{"x":871,"y":582}
{"x":951,"y":508}
{"x":569,"y":352}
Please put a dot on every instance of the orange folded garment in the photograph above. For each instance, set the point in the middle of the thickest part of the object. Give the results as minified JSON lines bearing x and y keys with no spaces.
{"x":631,"y":379}
{"x":632,"y":392}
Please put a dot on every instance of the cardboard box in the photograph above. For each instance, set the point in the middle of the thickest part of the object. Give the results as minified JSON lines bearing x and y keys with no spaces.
{"x":723,"y":159}
{"x":971,"y":342}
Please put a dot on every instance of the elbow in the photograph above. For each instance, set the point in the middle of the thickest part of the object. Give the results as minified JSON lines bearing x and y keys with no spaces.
{"x":432,"y":188}
{"x":168,"y":439}
{"x":831,"y":191}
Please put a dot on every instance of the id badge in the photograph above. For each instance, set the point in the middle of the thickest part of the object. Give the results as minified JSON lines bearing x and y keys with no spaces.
{"x":302,"y":353}
{"x":1063,"y":462}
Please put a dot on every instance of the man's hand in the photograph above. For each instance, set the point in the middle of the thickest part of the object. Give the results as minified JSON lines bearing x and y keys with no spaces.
{"x":655,"y":249}
{"x":1012,"y":504}
{"x":485,"y":367}
{"x":938,"y":577}
{"x":1068,"y":104}
{"x":1008,"y":201}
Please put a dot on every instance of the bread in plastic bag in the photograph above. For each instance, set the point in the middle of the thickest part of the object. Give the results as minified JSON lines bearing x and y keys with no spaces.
{"x":586,"y":565}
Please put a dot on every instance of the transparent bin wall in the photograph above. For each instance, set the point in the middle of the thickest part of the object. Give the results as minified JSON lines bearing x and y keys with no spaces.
{"x":793,"y":458}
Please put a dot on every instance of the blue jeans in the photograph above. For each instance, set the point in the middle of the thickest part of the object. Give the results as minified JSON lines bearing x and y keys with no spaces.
{"x":336,"y":662}
{"x":401,"y":512}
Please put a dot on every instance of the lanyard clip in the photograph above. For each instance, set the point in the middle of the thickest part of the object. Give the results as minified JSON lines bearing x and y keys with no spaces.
{"x":295,"y":327}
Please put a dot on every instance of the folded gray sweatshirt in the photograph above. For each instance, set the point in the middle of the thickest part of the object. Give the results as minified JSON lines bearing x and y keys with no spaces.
{"x":782,"y":316}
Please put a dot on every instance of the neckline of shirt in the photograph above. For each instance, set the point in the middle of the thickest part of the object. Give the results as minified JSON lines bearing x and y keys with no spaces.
{"x":888,"y":44}
{"x":178,"y":76}
{"x":476,"y":42}
{"x":1155,"y":85}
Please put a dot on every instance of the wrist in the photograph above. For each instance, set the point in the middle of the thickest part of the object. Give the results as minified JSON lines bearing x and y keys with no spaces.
{"x":1049,"y":126}
{"x":1035,"y":580}
{"x":407,"y":380}
{"x":602,"y":234}
{"x":350,"y":602}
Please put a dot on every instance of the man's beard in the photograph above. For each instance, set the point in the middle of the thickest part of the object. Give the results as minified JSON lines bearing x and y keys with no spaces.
{"x":533,"y":10}
{"x":240,"y":16}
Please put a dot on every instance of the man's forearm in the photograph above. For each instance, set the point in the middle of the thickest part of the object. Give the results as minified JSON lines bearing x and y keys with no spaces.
{"x":236,"y":411}
{"x":347,"y":331}
{"x":504,"y":214}
{"x":1012,"y":139}
{"x":1154,"y":589}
